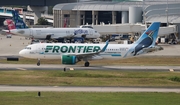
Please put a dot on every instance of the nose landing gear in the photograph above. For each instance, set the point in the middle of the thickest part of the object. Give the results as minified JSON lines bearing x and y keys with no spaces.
{"x":38,"y":63}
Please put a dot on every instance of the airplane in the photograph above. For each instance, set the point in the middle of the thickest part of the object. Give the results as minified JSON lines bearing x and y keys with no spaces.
{"x":49,"y":33}
{"x":72,"y":53}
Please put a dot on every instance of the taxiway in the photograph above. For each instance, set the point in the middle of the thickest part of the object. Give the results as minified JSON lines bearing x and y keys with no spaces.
{"x":77,"y":67}
{"x":86,"y":89}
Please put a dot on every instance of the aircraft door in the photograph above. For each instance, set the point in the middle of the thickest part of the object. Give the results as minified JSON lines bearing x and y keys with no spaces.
{"x":31,"y":33}
{"x":38,"y":49}
{"x":91,"y":32}
{"x":72,"y":33}
{"x":68,"y":33}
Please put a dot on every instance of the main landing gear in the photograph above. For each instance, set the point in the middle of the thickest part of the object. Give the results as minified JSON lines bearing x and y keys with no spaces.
{"x":38,"y":63}
{"x":86,"y":64}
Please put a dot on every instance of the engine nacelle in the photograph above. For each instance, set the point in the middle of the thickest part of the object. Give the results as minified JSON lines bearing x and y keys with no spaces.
{"x":68,"y":59}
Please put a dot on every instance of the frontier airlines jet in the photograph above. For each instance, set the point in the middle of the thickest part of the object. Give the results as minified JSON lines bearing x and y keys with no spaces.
{"x":71,"y":53}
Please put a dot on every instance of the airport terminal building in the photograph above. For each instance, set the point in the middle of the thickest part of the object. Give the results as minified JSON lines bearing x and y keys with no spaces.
{"x":116,"y":12}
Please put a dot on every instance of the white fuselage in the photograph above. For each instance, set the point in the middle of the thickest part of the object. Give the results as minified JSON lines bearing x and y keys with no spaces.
{"x":41,"y":33}
{"x":56,"y":50}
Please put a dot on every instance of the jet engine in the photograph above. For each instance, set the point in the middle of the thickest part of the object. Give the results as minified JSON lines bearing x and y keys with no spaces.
{"x":68,"y":59}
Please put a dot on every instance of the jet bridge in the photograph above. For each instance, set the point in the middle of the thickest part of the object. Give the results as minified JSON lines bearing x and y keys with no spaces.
{"x":131,"y":28}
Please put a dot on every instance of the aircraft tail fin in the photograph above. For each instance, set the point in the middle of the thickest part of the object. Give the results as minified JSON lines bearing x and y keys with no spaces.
{"x":146,"y":41}
{"x":19,"y":24}
{"x":10,"y":24}
{"x":149,"y":37}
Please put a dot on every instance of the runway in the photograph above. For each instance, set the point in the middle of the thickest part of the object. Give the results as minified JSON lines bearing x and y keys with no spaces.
{"x":77,"y":67}
{"x":86,"y":89}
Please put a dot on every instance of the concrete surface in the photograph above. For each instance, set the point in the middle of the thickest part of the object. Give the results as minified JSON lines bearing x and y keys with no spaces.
{"x":86,"y":89}
{"x":168,"y":50}
{"x":80,"y":67}
{"x":12,"y":46}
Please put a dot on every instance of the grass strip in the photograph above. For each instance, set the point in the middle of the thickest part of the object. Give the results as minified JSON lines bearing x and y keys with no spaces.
{"x":88,"y":98}
{"x":89,"y":78}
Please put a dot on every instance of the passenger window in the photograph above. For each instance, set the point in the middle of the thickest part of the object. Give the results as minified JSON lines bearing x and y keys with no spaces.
{"x":29,"y":48}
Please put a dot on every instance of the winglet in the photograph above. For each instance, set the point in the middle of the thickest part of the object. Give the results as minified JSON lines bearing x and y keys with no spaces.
{"x":104,"y":48}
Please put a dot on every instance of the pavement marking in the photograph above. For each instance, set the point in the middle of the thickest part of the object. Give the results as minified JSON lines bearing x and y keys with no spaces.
{"x":171,"y":70}
{"x":71,"y":68}
{"x":21,"y":69}
{"x":55,"y":86}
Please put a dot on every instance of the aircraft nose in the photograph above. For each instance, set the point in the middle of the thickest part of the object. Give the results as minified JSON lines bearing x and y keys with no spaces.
{"x":22,"y":52}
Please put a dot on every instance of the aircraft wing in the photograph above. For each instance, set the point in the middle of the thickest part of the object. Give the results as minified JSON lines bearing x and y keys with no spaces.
{"x":5,"y":30}
{"x":49,"y":36}
{"x":91,"y":54}
{"x":156,"y":48}
{"x":152,"y":49}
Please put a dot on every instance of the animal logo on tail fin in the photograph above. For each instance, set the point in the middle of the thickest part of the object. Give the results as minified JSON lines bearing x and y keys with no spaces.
{"x":146,"y":40}
{"x":10,"y":24}
{"x":19,"y":24}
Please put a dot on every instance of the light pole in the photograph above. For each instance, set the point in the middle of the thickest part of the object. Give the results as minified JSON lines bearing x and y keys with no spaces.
{"x":167,"y":13}
{"x":144,"y":12}
{"x":144,"y":17}
{"x":77,"y":20}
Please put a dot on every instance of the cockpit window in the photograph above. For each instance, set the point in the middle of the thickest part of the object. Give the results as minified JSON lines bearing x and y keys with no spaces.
{"x":87,"y":27}
{"x":29,"y":48}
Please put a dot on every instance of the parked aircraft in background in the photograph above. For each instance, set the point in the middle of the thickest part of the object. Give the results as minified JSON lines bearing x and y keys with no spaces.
{"x":72,"y":53}
{"x":49,"y":33}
